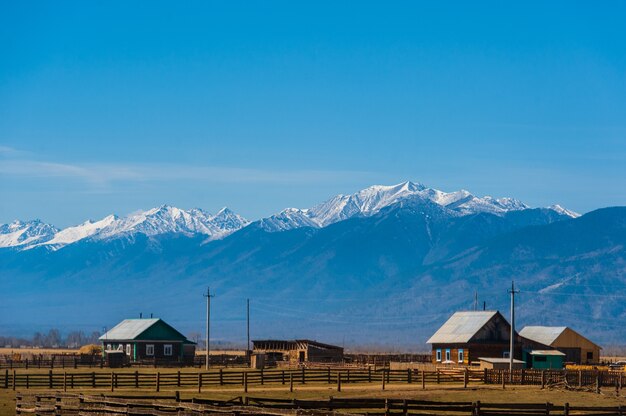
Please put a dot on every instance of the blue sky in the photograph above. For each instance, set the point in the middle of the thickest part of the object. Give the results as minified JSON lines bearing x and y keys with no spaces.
{"x":110,"y":107}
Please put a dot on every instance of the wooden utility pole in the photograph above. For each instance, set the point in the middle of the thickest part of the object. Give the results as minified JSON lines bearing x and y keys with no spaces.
{"x":512,"y":336}
{"x":208,"y":297}
{"x":248,"y":355}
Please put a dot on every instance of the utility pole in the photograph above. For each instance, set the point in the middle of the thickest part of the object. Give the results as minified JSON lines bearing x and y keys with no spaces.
{"x":475,"y":300}
{"x":208,"y":297}
{"x":512,"y":336}
{"x":248,"y":330}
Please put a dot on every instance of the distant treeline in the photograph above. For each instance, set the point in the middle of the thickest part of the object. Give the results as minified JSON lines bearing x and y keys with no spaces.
{"x":52,"y":339}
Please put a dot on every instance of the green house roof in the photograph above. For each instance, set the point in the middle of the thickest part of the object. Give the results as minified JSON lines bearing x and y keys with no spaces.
{"x":143,"y":329}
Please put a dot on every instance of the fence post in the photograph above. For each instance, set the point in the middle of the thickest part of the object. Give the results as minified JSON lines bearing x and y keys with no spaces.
{"x":523,"y":377}
{"x":75,"y":363}
{"x":158,"y":381}
{"x":282,"y":377}
{"x":329,"y":381}
{"x":65,"y":381}
{"x":408,"y":375}
{"x":303,"y":375}
{"x":580,"y":378}
{"x":291,"y":381}
{"x":548,"y":406}
{"x":503,"y":379}
{"x":178,"y":378}
{"x":245,"y":381}
{"x":348,"y":376}
{"x":477,"y":407}
{"x":438,"y":380}
{"x":339,"y":381}
{"x":72,"y":381}
{"x":597,"y":382}
{"x":199,"y":382}
{"x":221,"y":377}
{"x":262,"y":380}
{"x":543,"y":379}
{"x":50,"y":382}
{"x":136,"y":379}
{"x":6,"y":378}
{"x":423,"y":379}
{"x":465,"y":378}
{"x":93,"y":380}
{"x":57,"y":405}
{"x":485,"y":376}
{"x":14,"y":378}
{"x":383,"y":379}
{"x":369,"y":374}
{"x":112,"y":385}
{"x":27,"y":382}
{"x":387,"y":407}
{"x":566,"y":410}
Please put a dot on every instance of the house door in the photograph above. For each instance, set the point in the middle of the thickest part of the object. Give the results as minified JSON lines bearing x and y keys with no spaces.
{"x":301,"y":356}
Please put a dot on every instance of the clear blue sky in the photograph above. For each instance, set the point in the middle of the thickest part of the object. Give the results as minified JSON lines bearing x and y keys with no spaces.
{"x":110,"y":107}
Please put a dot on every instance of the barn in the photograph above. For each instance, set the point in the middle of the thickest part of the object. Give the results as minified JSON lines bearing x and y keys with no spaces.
{"x":577,"y":348}
{"x":148,"y":339}
{"x":296,"y":351}
{"x":468,"y":336}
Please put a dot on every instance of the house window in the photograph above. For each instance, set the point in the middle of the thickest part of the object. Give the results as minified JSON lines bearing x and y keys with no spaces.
{"x":167,"y":349}
{"x":108,"y":347}
{"x":505,"y":354}
{"x":150,"y":349}
{"x":439,"y":355}
{"x":589,"y":355}
{"x":447,"y":355}
{"x":461,"y":356}
{"x":541,"y":358}
{"x":128,"y":347}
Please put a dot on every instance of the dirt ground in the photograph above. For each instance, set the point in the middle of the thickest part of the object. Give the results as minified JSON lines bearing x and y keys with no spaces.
{"x":486,"y":394}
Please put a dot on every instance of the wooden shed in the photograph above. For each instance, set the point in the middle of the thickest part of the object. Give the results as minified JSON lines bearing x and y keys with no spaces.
{"x":148,"y":340}
{"x":545,"y":359}
{"x":466,"y":336}
{"x":577,"y":348}
{"x":500,"y":363}
{"x":297,"y":351}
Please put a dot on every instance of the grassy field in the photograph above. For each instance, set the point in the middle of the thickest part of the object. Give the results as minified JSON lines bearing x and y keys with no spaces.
{"x":491,"y":393}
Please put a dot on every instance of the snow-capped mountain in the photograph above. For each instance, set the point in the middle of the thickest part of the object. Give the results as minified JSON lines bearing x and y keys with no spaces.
{"x":20,"y":233}
{"x":371,"y":200}
{"x":162,"y":220}
{"x":167,"y":219}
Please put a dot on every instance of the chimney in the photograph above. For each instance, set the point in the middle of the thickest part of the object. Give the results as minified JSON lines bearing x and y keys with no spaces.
{"x":140,"y":315}
{"x":484,"y":306}
{"x":150,"y":315}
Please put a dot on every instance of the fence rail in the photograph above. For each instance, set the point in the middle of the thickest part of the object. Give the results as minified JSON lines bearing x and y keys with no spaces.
{"x":78,"y":404}
{"x":170,"y":380}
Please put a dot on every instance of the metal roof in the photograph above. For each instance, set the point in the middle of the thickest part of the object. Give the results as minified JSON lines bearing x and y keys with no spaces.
{"x":128,"y":329}
{"x":461,"y":327}
{"x":546,"y":352}
{"x":500,"y":360}
{"x":545,"y":335}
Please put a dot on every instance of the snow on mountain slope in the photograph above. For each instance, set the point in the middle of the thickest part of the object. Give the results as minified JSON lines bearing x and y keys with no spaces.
{"x":287,"y":219}
{"x":371,"y":200}
{"x":20,"y":233}
{"x":162,"y":220}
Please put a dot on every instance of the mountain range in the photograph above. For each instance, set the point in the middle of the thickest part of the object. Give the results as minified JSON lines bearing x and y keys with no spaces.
{"x":384,"y":266}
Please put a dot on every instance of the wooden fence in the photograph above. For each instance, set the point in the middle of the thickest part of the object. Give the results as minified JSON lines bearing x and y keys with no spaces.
{"x":169,"y":380}
{"x":197,"y":380}
{"x":75,"y":404}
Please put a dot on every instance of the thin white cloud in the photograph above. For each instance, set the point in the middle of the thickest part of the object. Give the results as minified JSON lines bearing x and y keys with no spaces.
{"x":106,"y":174}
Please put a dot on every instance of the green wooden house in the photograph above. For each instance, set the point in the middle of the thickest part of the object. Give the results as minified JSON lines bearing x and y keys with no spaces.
{"x":148,"y":340}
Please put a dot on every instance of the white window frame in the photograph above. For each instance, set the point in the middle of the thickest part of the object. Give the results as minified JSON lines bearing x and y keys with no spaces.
{"x":128,"y":349}
{"x":438,"y":355}
{"x":448,"y":355}
{"x":150,"y":350}
{"x":168,"y":350}
{"x":108,"y":347}
{"x":461,"y":355}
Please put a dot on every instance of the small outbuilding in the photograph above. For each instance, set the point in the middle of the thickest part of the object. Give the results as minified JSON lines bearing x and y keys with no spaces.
{"x":545,"y":359}
{"x":148,"y":339}
{"x":295,"y":351}
{"x":500,"y":363}
{"x":577,"y":348}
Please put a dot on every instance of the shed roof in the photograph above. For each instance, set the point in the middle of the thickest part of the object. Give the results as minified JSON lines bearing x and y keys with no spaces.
{"x":546,"y":352}
{"x":545,"y":335}
{"x":130,"y":329}
{"x":461,"y":327}
{"x":500,"y":360}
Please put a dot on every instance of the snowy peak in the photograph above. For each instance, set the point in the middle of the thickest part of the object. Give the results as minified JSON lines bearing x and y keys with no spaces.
{"x":564,"y":211}
{"x":156,"y":221}
{"x":371,"y":200}
{"x":20,"y":233}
